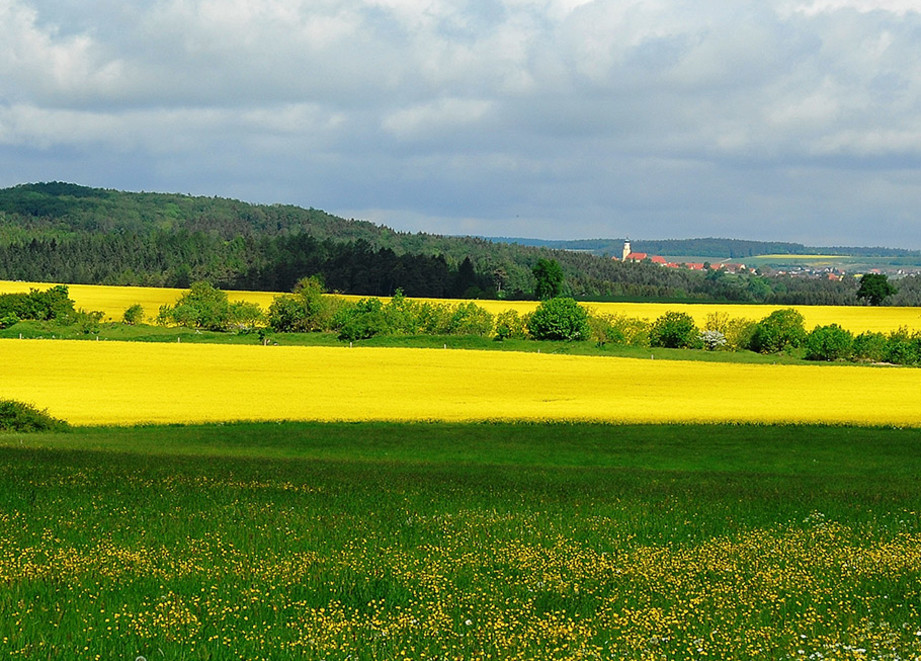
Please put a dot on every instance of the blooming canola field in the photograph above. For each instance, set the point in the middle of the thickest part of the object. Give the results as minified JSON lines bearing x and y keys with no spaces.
{"x":114,"y":300}
{"x":123,"y":383}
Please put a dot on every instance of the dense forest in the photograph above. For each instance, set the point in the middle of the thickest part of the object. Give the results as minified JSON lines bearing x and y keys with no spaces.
{"x":59,"y":232}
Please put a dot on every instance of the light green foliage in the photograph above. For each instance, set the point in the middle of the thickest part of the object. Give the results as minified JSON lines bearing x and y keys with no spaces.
{"x":401,"y":316}
{"x":559,"y":319}
{"x":469,"y":319}
{"x":509,"y":325}
{"x":207,"y":308}
{"x":134,"y":314}
{"x":603,"y":332}
{"x":737,"y":331}
{"x":9,"y":319}
{"x":782,"y":329}
{"x":363,"y":320}
{"x":405,"y":316}
{"x":618,"y":329}
{"x":829,"y":343}
{"x":674,"y":330}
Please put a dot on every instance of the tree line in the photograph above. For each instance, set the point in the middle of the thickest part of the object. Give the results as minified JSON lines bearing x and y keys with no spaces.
{"x":310,"y":309}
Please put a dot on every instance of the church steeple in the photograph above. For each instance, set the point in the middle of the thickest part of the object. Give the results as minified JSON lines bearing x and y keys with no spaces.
{"x":627,"y":250}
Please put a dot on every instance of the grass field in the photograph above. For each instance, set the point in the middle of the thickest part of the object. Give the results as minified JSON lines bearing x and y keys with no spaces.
{"x":443,"y":541}
{"x":114,"y":300}
{"x":94,"y":382}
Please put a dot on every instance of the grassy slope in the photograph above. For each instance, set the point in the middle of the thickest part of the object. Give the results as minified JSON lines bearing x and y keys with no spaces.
{"x":783,"y":450}
{"x":535,"y":541}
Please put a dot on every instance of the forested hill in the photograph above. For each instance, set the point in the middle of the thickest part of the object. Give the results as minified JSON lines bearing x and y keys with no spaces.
{"x":60,"y":232}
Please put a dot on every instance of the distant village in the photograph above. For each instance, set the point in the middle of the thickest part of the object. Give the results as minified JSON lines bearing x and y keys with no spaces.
{"x":798,"y":270}
{"x":630,"y":256}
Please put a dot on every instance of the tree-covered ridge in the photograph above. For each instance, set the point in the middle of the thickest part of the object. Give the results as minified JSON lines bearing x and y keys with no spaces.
{"x":59,"y":232}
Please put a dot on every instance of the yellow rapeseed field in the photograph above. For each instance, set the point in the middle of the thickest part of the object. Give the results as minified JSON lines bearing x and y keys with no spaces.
{"x":98,"y":382}
{"x":113,"y":301}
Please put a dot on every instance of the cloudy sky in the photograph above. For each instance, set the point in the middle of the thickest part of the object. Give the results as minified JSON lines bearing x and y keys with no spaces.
{"x":794,"y":120}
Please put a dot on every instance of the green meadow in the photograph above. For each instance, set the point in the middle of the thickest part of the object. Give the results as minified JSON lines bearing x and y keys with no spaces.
{"x":441,"y":541}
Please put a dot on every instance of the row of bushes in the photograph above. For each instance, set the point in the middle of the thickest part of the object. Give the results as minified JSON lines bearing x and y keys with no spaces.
{"x":782,"y":330}
{"x":307,"y":309}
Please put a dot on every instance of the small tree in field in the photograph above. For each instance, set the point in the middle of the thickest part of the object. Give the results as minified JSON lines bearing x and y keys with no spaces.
{"x":208,"y":308}
{"x":559,"y":319}
{"x":674,"y":330}
{"x":778,"y":331}
{"x":133,"y":315}
{"x":306,"y":310}
{"x":829,"y":343}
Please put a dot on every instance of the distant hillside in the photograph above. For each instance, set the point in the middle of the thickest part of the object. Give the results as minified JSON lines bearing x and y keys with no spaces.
{"x":69,"y":233}
{"x":708,"y":247}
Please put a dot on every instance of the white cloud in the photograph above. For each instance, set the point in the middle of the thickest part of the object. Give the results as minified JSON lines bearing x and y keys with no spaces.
{"x":899,"y":7}
{"x":573,"y":113}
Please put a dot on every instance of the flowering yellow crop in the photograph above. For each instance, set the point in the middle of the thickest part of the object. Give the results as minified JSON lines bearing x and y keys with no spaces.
{"x":113,"y":301}
{"x":94,"y":382}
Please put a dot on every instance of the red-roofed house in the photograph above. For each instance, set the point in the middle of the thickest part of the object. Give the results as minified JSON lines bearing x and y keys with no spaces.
{"x":659,"y":259}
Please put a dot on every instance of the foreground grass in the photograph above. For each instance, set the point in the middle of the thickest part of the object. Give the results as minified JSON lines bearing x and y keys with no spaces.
{"x":381,"y":541}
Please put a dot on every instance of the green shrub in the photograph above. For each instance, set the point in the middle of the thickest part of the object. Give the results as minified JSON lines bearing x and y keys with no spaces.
{"x":674,"y":330}
{"x":208,"y":308}
{"x":602,"y":331}
{"x":363,"y":320}
{"x":10,"y":319}
{"x":86,"y":322}
{"x":470,"y":319}
{"x":510,"y":325}
{"x":782,"y":329}
{"x":559,"y":319}
{"x":870,"y":346}
{"x":134,"y":314}
{"x":53,"y":303}
{"x":20,"y":417}
{"x":829,"y":343}
{"x":737,"y":331}
{"x":903,"y":347}
{"x":304,"y":311}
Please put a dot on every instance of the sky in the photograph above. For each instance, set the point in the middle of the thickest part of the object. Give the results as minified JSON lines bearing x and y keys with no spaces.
{"x":783,"y":120}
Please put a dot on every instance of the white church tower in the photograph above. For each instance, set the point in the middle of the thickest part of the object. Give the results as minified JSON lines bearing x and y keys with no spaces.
{"x":627,"y":250}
